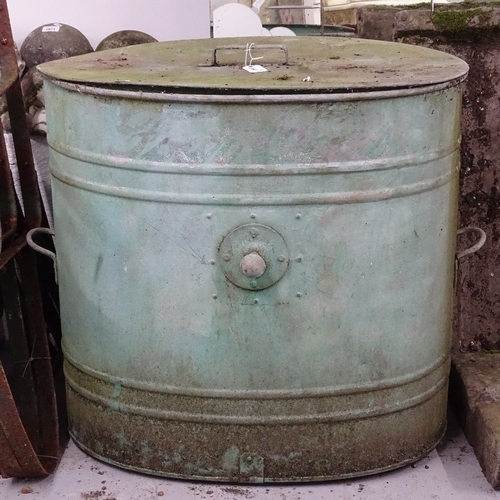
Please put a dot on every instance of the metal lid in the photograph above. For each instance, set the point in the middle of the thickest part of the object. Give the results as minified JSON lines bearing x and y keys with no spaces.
{"x":293,"y":64}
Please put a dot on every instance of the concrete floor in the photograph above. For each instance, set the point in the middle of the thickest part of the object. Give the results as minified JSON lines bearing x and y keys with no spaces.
{"x":449,"y":473}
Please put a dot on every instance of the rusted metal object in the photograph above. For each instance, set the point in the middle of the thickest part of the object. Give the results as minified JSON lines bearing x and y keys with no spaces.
{"x":29,"y":434}
{"x":32,"y":431}
{"x":17,"y":456}
{"x":256,"y":270}
{"x":53,"y":41}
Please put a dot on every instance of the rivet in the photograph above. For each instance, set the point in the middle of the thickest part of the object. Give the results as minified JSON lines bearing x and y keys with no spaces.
{"x":254,"y":233}
{"x":226,"y":257}
{"x":299,"y":295}
{"x":281,"y":258}
{"x":209,"y":216}
{"x":256,"y":301}
{"x":212,"y":262}
{"x":298,"y":259}
{"x":253,"y":284}
{"x":249,"y":459}
{"x":252,"y":216}
{"x":298,"y":216}
{"x":214,"y":296}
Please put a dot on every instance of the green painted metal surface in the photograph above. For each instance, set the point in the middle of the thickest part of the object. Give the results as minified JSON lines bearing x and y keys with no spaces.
{"x":256,"y":288}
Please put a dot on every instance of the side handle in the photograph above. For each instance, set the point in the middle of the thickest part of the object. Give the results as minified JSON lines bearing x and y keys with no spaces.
{"x":38,"y":248}
{"x":246,"y":49}
{"x":474,"y":248}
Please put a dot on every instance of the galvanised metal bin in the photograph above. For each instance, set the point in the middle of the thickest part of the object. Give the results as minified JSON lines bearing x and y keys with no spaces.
{"x":256,"y":268}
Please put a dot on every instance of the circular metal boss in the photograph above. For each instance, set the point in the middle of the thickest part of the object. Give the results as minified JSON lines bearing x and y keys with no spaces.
{"x":253,"y":256}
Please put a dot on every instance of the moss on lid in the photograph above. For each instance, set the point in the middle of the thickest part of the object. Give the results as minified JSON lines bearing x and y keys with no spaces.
{"x":327,"y":64}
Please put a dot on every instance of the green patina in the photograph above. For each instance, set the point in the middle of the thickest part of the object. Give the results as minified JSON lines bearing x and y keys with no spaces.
{"x":461,"y":21}
{"x":417,"y":6}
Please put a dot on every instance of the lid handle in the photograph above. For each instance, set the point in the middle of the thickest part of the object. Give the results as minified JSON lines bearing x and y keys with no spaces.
{"x":239,"y":57}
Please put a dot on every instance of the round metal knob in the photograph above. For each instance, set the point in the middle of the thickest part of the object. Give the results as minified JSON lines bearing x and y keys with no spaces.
{"x":253,"y":265}
{"x":253,"y":256}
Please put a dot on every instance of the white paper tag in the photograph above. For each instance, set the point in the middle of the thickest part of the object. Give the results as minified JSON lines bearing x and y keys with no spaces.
{"x":255,"y":68}
{"x":51,"y":29}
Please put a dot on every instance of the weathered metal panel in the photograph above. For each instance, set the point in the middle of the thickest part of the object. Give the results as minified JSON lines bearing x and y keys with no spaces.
{"x":338,"y":368}
{"x":471,"y":34}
